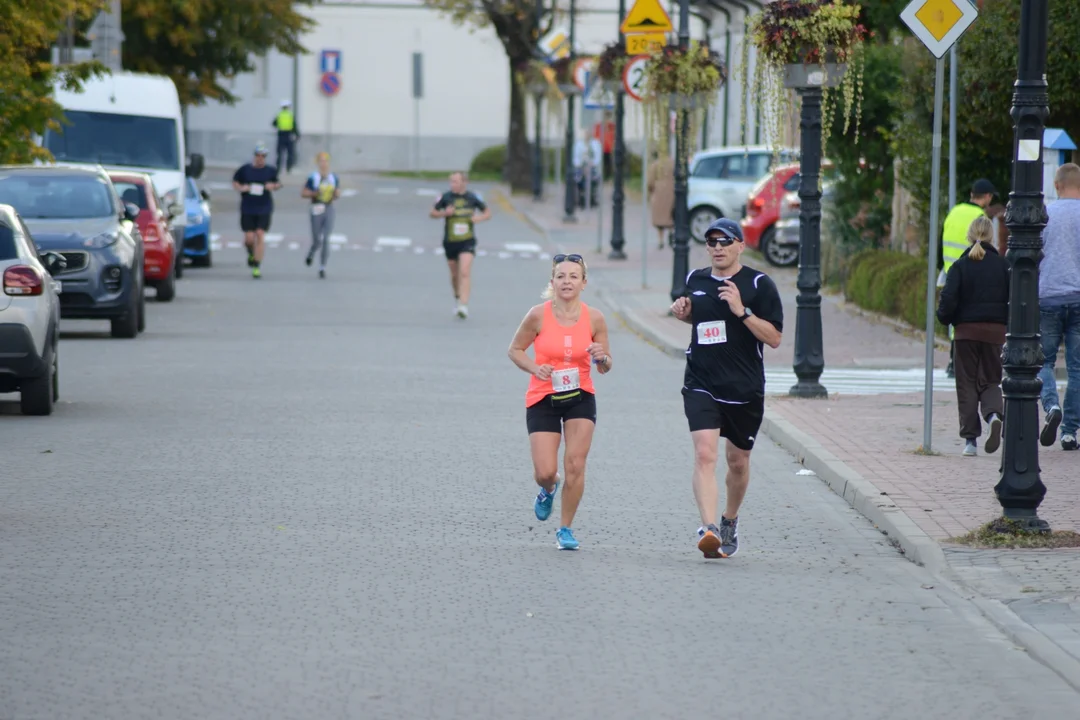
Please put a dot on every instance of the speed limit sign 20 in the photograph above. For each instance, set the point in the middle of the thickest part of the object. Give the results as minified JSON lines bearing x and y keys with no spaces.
{"x":633,"y":77}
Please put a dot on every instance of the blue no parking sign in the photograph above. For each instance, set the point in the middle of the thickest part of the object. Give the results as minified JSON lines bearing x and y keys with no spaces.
{"x":330,"y":84}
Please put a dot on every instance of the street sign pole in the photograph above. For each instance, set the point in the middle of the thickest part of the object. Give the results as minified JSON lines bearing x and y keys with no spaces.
{"x":645,"y":205}
{"x":938,"y":24}
{"x":952,"y":127}
{"x":418,"y":92}
{"x":932,"y":253}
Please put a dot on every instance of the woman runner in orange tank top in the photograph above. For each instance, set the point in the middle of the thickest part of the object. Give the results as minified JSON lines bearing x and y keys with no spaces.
{"x":569,"y":340}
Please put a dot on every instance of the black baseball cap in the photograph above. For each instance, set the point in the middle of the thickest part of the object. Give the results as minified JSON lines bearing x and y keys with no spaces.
{"x":982,"y":186}
{"x":727,"y":227}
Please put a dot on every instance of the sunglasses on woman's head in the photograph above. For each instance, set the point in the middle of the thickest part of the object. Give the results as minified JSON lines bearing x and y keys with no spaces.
{"x":574,"y":258}
{"x":722,"y":241}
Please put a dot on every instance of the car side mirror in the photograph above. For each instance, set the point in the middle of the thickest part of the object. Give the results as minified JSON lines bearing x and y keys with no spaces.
{"x":131,"y":211}
{"x":195,"y":168}
{"x":176,"y":210}
{"x":205,"y":195}
{"x":54,"y":262}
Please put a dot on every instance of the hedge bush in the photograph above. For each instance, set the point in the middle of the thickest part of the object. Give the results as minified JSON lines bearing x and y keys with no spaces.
{"x":890,"y":283}
{"x":492,"y":160}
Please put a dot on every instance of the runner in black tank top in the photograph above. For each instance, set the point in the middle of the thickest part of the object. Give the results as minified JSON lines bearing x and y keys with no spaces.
{"x":459,"y":210}
{"x":735,"y":311}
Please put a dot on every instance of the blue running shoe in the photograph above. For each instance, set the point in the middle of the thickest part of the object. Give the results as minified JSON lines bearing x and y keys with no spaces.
{"x":544,"y":501}
{"x":564,"y":539}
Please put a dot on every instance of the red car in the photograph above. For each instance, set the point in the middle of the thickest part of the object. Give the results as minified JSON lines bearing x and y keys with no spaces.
{"x":763,"y":208}
{"x":159,"y":247}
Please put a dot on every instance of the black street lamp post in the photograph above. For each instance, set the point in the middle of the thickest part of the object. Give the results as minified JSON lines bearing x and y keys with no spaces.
{"x":570,"y":205}
{"x":1020,"y":490}
{"x":618,"y":197}
{"x":809,"y":353}
{"x":681,"y":265}
{"x":538,"y":94}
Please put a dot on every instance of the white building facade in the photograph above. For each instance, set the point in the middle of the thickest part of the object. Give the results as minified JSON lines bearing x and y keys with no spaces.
{"x":374,"y":123}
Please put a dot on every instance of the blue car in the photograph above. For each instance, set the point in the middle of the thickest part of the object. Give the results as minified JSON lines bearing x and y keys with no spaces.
{"x":197,"y":234}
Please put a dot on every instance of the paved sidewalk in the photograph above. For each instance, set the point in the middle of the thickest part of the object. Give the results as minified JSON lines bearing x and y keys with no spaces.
{"x":864,"y":445}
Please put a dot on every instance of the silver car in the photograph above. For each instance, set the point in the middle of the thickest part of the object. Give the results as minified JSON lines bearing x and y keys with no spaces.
{"x":29,"y":317}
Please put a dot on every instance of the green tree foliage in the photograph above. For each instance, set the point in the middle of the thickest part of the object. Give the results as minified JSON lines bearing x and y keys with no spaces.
{"x":986,"y":73}
{"x":862,"y":200}
{"x":515,"y":24}
{"x":27,"y":32}
{"x":200,"y":43}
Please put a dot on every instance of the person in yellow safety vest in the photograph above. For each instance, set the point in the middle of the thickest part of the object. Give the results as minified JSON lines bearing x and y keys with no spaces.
{"x":287,"y":135}
{"x":954,"y":236}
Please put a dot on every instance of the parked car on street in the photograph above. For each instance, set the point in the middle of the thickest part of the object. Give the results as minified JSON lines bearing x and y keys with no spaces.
{"x":786,"y":238}
{"x":29,"y":317}
{"x":76,"y":212}
{"x":197,"y":235}
{"x":161,"y":256}
{"x":763,"y":210}
{"x":721,"y":178}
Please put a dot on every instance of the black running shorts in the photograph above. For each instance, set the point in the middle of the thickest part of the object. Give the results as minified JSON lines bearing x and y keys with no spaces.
{"x":738,"y":423}
{"x":453,"y":249}
{"x":251,"y":223}
{"x":542,"y":417}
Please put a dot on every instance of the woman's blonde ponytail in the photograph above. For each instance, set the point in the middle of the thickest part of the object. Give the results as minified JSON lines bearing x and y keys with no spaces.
{"x":981,"y":231}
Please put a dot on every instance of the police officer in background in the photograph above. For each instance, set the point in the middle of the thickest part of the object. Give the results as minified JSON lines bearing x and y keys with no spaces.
{"x":954,"y":239}
{"x":287,"y":135}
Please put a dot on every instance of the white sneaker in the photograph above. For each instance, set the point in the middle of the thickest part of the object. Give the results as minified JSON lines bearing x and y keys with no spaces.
{"x":462,"y":311}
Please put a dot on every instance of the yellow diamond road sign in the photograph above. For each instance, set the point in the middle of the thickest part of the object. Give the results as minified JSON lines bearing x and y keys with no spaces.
{"x":939,"y":23}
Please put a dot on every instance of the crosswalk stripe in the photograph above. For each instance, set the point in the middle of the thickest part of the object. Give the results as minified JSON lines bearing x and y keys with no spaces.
{"x":393,"y":242}
{"x":337,"y":239}
{"x":349,"y":192}
{"x":427,"y":192}
{"x":861,"y":381}
{"x":294,"y":246}
{"x":522,"y":247}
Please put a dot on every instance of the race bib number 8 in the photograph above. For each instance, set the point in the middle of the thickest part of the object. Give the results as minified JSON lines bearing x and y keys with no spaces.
{"x":712,"y":333}
{"x":565,"y":379}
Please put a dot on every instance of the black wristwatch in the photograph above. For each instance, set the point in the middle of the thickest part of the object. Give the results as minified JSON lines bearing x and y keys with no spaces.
{"x":747,"y":312}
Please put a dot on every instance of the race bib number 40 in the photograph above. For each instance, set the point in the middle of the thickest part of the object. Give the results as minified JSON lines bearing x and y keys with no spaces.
{"x":712,"y":333}
{"x":565,"y":379}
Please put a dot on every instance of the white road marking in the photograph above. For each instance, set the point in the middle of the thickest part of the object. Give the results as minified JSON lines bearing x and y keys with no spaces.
{"x":394,"y":242}
{"x":388,"y":191}
{"x":544,"y":256}
{"x":337,"y":239}
{"x":233,"y":244}
{"x":218,"y":186}
{"x":503,"y":255}
{"x":349,"y":192}
{"x":428,"y":192}
{"x":215,"y":246}
{"x":418,"y":250}
{"x":377,"y":248}
{"x":274,"y":237}
{"x":441,"y":251}
{"x":214,"y":237}
{"x":481,"y":253}
{"x":525,"y":255}
{"x":522,"y":247}
{"x":294,"y":246}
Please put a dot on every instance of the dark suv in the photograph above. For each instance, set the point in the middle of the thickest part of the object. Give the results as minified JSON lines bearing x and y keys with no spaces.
{"x":76,"y":212}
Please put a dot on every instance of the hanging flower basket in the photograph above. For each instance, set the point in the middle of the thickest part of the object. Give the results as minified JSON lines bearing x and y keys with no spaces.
{"x":564,"y":76}
{"x":681,"y":80}
{"x":803,"y":44}
{"x":610,"y":63}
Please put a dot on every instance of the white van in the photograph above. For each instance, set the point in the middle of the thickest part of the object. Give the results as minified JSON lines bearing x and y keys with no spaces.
{"x":128,"y":121}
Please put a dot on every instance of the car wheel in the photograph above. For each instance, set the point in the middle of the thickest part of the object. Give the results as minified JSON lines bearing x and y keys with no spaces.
{"x":202,"y":260}
{"x":127,"y":325}
{"x":37,"y":394}
{"x":56,"y":376}
{"x":700,"y":220}
{"x":166,"y":289}
{"x":778,"y":255}
{"x":142,"y":307}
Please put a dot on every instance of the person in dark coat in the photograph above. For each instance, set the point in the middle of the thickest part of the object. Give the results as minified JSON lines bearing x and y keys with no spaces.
{"x":975,"y":301}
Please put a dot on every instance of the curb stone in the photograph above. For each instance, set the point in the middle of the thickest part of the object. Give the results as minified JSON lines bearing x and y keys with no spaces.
{"x":864,"y":496}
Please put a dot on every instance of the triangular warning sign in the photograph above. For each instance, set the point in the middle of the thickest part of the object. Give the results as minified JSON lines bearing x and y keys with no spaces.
{"x":647,"y":16}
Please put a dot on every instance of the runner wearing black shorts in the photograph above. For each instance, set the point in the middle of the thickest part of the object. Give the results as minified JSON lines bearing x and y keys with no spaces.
{"x":734,"y":310}
{"x":459,"y":208}
{"x":255,"y":181}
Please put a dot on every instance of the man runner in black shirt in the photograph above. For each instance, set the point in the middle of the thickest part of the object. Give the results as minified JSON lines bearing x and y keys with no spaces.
{"x":255,"y":181}
{"x":734,"y":310}
{"x":459,"y":208}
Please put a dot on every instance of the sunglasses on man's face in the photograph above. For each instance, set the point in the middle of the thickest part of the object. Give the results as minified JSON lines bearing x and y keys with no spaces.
{"x":722,"y":241}
{"x":574,"y":258}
